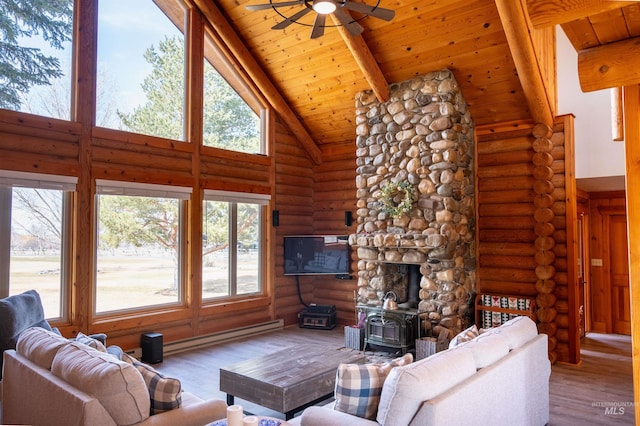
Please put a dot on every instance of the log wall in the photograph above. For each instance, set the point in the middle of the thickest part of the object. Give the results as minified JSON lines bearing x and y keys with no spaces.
{"x":34,"y":144}
{"x":526,"y":223}
{"x":334,"y":194}
{"x":294,"y":189}
{"x":37,"y":144}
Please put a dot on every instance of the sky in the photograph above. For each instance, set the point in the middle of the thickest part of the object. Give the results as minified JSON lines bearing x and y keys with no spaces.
{"x":126,"y":29}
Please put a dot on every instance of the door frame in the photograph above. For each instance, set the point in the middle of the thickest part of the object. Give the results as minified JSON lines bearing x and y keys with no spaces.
{"x":584,"y":264}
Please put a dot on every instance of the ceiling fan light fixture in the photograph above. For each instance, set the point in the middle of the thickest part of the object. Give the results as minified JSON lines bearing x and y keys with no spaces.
{"x":324,"y":7}
{"x":340,"y":9}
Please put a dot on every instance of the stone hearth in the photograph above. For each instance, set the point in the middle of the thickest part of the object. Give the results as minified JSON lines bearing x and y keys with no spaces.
{"x":422,"y":136}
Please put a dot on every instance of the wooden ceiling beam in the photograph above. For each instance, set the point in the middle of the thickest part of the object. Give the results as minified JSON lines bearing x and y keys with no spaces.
{"x":544,"y":13}
{"x":610,"y":65}
{"x":259,"y":77}
{"x":366,"y":62}
{"x":518,"y":31}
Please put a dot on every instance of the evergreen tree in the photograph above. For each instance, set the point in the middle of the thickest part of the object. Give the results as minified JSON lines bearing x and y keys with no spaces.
{"x":229,"y":123}
{"x":22,"y":67}
{"x":163,"y":112}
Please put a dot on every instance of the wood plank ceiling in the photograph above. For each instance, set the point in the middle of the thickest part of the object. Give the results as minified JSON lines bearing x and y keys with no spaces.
{"x":319,"y":78}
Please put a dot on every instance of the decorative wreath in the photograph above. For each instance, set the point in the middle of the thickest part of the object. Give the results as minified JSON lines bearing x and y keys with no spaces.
{"x":390,"y":193}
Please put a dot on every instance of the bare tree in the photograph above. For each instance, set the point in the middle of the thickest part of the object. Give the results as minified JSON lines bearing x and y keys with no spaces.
{"x":37,"y":218}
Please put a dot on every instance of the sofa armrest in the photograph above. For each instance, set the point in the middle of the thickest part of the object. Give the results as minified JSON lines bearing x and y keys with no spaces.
{"x":327,"y":416}
{"x":193,"y":412}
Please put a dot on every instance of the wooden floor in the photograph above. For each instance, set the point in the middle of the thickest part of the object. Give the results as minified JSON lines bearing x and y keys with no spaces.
{"x":597,"y":392}
{"x":199,"y":369}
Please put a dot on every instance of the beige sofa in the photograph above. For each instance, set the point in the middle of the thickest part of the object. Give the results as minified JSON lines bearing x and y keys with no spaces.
{"x":49,"y":380}
{"x":499,"y":378}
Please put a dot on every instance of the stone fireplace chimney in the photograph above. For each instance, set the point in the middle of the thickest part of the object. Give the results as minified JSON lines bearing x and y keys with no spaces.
{"x":415,"y":198}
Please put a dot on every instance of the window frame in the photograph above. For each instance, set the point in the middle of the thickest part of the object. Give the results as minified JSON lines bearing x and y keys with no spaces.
{"x":66,"y":184}
{"x":171,"y":9}
{"x":229,"y":68}
{"x":135,"y":189}
{"x":233,"y":199}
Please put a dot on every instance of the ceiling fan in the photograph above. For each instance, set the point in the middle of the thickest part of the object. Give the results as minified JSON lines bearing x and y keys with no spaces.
{"x":324,"y":8}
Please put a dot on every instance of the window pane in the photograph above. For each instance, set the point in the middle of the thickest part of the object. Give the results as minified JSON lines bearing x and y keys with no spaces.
{"x":229,"y":122}
{"x":142,"y":53}
{"x":248,"y":248}
{"x":231,"y":249}
{"x":138,"y":254}
{"x":35,"y":62}
{"x":37,"y":220}
{"x":215,"y":249}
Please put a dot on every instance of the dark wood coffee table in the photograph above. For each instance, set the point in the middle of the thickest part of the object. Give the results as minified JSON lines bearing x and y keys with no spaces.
{"x":288,"y":380}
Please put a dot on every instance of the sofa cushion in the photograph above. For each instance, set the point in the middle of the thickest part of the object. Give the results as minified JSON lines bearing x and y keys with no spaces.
{"x":117,"y":385}
{"x":358,"y":386}
{"x":518,"y":331}
{"x":40,"y":346}
{"x":408,"y":386}
{"x":165,"y":393}
{"x":487,"y":348}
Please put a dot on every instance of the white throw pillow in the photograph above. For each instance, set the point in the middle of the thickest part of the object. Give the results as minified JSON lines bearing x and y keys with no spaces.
{"x":118,"y":386}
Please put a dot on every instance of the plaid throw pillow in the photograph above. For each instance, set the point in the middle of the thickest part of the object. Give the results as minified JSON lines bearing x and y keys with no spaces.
{"x":358,"y":386}
{"x":165,"y":393}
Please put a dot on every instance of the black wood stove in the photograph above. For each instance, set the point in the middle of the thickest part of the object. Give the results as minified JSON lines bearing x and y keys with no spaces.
{"x":390,"y":329}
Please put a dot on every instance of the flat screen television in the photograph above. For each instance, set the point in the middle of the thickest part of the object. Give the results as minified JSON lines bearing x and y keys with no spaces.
{"x":316,"y":255}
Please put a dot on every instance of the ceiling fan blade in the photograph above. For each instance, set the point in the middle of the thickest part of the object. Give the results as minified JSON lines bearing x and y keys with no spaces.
{"x":347,"y":21}
{"x":291,"y":19}
{"x":271,"y":5}
{"x":318,"y":26}
{"x":376,"y":12}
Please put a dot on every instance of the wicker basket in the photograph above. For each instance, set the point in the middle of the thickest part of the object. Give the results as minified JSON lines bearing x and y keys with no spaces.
{"x":354,"y":338}
{"x":427,"y":346}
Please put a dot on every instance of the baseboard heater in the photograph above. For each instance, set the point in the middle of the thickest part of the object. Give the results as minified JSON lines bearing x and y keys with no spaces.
{"x":222,"y":336}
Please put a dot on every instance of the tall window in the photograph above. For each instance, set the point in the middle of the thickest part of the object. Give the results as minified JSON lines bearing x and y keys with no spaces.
{"x":35,"y":212}
{"x":141,"y":67}
{"x":232,"y":244}
{"x":139,"y":245}
{"x":35,"y":56}
{"x":231,"y":121}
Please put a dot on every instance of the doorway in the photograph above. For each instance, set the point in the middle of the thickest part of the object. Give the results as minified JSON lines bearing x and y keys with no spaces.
{"x":608,"y":293}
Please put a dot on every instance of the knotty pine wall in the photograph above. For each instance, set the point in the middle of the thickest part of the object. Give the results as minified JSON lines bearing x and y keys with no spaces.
{"x":526,"y":223}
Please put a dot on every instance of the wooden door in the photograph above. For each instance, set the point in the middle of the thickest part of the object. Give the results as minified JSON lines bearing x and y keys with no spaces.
{"x":619,"y":273}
